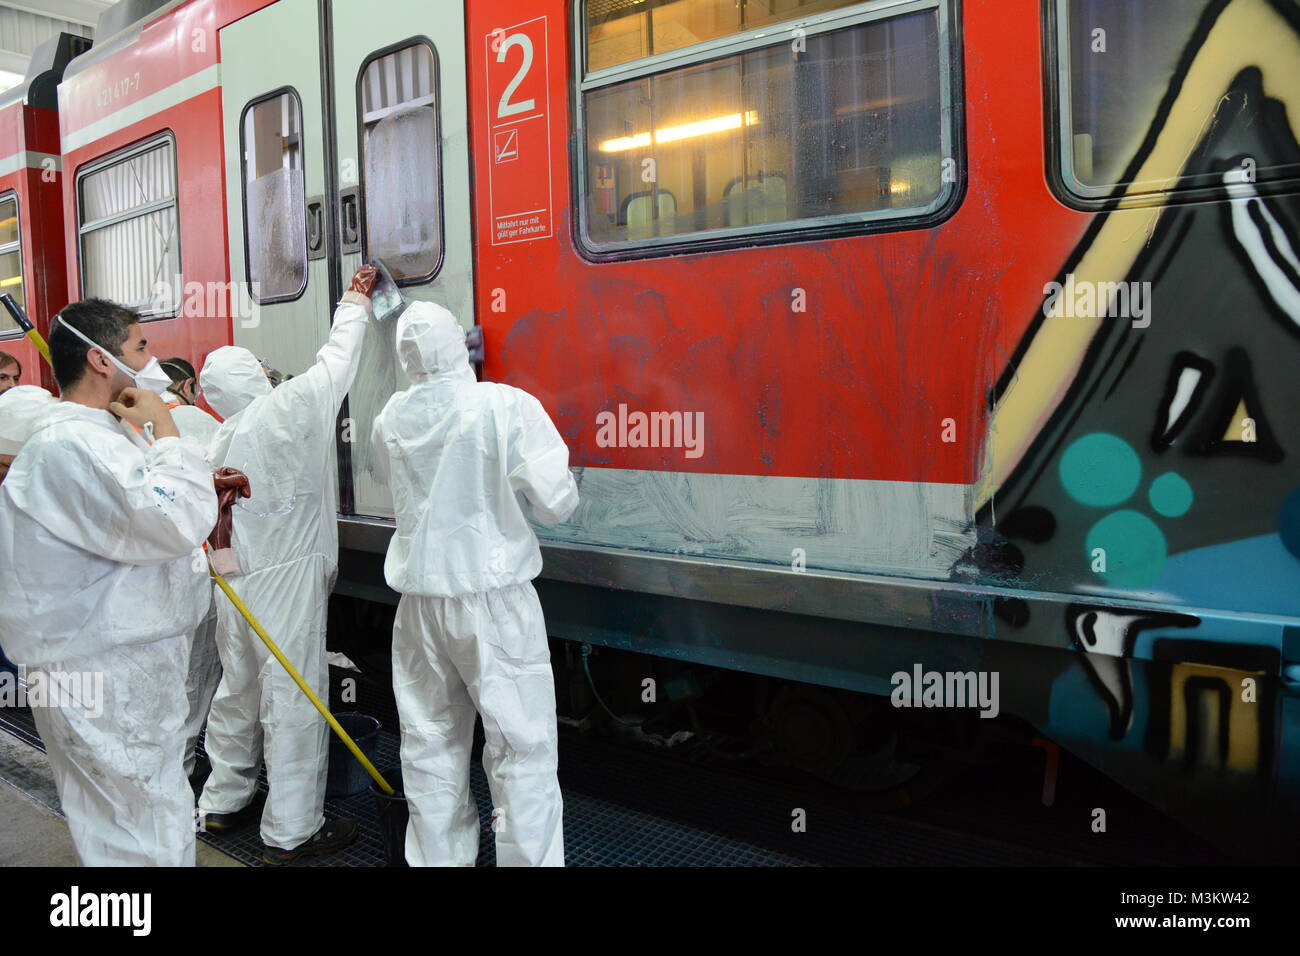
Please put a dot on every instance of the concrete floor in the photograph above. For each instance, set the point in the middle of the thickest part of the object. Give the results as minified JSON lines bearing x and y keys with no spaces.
{"x":34,"y":832}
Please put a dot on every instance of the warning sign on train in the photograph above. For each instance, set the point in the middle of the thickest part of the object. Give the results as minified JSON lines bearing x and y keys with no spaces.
{"x":519,"y":180}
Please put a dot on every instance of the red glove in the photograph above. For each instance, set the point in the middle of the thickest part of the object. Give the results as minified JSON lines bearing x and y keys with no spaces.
{"x":363,"y":281}
{"x":230,"y":484}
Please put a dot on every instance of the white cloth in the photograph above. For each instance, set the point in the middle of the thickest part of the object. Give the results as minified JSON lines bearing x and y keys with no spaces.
{"x":99,"y":534}
{"x":21,"y":408}
{"x":286,"y":538}
{"x":466,"y":461}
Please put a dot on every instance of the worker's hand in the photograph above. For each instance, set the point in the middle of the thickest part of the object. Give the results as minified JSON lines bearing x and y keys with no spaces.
{"x":231,"y":485}
{"x":363,"y":283}
{"x":141,"y":407}
{"x":363,"y":280}
{"x":232,"y":482}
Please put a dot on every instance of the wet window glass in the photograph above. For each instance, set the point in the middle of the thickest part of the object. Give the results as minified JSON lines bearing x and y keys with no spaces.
{"x":851,"y":124}
{"x":619,"y":31}
{"x":275,"y":198}
{"x":11,"y":261}
{"x":1118,"y":60}
{"x":129,"y":231}
{"x":403,"y":182}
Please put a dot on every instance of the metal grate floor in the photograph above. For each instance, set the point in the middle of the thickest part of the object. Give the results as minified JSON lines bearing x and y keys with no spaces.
{"x":617,"y":808}
{"x":596,"y":832}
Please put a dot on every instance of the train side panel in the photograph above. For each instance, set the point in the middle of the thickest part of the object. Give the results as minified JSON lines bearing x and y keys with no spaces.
{"x":30,"y":173}
{"x":160,"y":85}
{"x":949,"y":407}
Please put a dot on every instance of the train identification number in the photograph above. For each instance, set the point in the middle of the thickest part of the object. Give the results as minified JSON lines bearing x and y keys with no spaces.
{"x":116,"y":91}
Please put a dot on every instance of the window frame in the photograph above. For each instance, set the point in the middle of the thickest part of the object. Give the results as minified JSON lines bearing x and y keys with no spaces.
{"x":6,"y":195}
{"x":1058,"y":116}
{"x":115,"y":158}
{"x":841,"y":225}
{"x":243,"y":193}
{"x":417,"y":40}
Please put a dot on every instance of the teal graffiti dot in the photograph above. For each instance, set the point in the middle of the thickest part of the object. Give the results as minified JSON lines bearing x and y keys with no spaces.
{"x":1100,"y":470}
{"x":1134,"y":546}
{"x":1170,"y":495}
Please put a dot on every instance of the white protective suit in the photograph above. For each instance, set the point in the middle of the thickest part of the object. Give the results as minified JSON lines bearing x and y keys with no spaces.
{"x":466,"y":461}
{"x":204,"y":673}
{"x":286,"y":539}
{"x":21,"y":408}
{"x":99,"y":540}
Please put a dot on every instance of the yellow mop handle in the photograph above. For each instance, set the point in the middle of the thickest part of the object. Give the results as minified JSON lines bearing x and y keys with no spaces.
{"x":40,"y":345}
{"x":29,"y":329}
{"x":302,"y":684}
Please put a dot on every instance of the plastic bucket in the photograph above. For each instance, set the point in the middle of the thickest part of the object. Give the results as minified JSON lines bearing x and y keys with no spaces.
{"x":393,"y":816}
{"x":347,"y":777}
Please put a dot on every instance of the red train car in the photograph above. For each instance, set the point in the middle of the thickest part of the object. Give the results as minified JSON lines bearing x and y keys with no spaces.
{"x":889,"y":337}
{"x":31,"y":221}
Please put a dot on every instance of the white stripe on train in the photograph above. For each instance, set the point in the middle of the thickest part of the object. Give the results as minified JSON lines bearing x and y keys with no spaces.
{"x":193,"y":85}
{"x":29,"y":159}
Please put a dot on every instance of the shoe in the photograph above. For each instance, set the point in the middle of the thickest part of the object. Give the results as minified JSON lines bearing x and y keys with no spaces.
{"x":223,"y":822}
{"x":332,"y":836}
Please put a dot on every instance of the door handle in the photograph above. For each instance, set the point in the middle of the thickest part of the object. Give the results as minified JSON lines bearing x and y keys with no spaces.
{"x":350,"y":220}
{"x":316,"y":228}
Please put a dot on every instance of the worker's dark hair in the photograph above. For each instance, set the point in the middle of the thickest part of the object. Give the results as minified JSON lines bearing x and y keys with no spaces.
{"x":104,"y":323}
{"x":7,"y":359}
{"x":178,"y":370}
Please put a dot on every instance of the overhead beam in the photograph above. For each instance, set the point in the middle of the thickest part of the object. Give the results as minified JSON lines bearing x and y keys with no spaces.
{"x":84,"y":12}
{"x":14,"y":62}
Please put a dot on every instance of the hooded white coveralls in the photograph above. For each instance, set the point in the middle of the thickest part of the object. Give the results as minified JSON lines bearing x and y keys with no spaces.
{"x":467,"y":462}
{"x":204,"y":672}
{"x":99,"y":538}
{"x":286,"y":539}
{"x":21,"y":409}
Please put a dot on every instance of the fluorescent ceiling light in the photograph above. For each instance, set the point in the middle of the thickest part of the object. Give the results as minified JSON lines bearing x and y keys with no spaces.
{"x":672,"y":134}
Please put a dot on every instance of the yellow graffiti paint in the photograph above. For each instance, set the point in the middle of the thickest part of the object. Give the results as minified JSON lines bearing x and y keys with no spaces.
{"x":1248,"y":33}
{"x":1243,"y":728}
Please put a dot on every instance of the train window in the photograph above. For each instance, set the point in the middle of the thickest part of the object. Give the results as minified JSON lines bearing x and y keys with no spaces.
{"x":844,"y":122}
{"x":1116,"y":61}
{"x":129,"y":230}
{"x":275,"y":218}
{"x":11,"y":260}
{"x":402,"y":170}
{"x":622,"y":30}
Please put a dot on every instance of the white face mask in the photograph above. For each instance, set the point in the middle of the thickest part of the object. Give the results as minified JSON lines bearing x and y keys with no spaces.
{"x":151,"y":378}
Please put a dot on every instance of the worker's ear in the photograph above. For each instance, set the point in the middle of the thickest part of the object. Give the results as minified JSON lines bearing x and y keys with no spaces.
{"x":99,"y":363}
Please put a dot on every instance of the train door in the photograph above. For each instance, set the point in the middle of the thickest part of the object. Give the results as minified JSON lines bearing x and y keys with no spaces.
{"x":339,"y":154}
{"x":404,"y":187}
{"x":277,"y":215}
